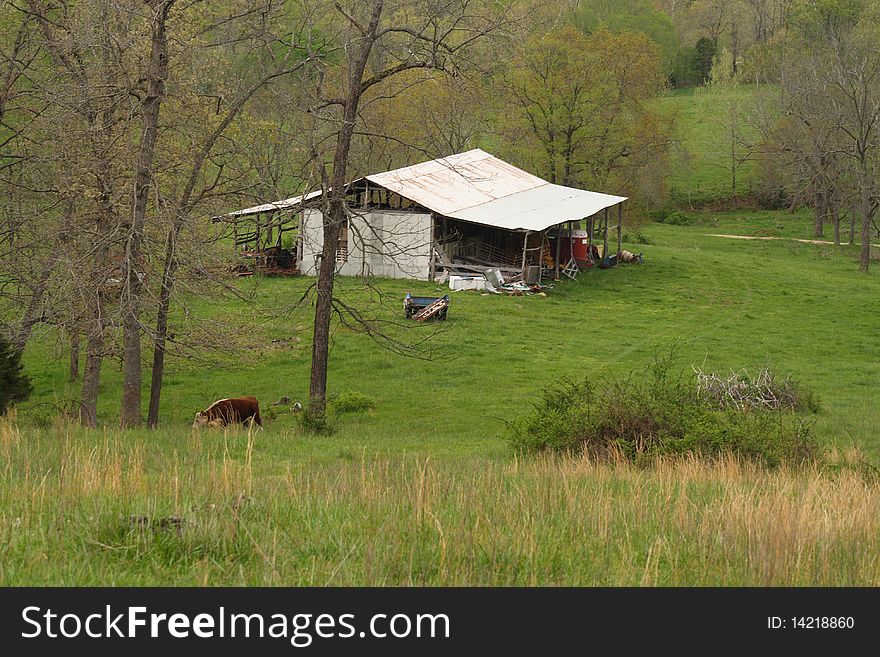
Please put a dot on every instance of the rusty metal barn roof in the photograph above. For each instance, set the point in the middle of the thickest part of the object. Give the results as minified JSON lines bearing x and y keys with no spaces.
{"x":478,"y":187}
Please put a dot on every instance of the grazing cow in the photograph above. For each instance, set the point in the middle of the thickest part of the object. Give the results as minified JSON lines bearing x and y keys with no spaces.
{"x":229,"y":411}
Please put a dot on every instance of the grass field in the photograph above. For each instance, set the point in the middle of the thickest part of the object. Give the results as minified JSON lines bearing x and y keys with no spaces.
{"x":424,"y":489}
{"x":803,"y":309}
{"x":106,"y":508}
{"x":701,"y":173}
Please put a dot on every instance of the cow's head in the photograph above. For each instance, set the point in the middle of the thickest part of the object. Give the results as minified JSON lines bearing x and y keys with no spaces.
{"x":201,"y":420}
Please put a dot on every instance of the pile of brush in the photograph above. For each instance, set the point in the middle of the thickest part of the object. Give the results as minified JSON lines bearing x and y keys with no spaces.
{"x":743,"y":391}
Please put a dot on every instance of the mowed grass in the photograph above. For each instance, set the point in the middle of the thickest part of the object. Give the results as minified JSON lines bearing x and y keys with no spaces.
{"x":424,"y":489}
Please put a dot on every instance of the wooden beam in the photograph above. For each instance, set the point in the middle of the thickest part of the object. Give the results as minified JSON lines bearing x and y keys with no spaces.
{"x":619,"y":227}
{"x":605,"y":236}
{"x":432,"y":265}
{"x":525,"y":248}
{"x":558,"y":249}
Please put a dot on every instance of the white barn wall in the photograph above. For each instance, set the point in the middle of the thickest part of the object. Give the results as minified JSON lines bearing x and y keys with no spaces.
{"x":389,"y":243}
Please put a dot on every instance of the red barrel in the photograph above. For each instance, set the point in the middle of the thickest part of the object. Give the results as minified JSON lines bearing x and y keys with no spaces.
{"x":580,"y":240}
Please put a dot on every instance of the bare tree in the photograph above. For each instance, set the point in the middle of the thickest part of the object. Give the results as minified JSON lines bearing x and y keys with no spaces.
{"x":380,"y":42}
{"x":836,"y":63}
{"x":131,"y":303}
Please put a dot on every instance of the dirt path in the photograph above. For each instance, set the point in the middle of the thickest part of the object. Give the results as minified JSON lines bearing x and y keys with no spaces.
{"x":788,"y":239}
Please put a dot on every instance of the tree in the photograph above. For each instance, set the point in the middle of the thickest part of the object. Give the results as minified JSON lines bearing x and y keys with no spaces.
{"x":704,"y":54}
{"x":723,"y":100}
{"x":15,"y":386}
{"x":86,"y":94}
{"x":298,"y":53}
{"x":632,"y":16}
{"x":104,"y":173}
{"x":579,"y":111}
{"x":150,"y":106}
{"x":834,"y":51}
{"x":379,"y":43}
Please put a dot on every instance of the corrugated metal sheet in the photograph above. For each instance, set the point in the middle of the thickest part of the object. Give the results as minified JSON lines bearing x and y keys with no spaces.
{"x":286,"y":204}
{"x":538,"y":208}
{"x":478,"y":187}
{"x":456,"y":182}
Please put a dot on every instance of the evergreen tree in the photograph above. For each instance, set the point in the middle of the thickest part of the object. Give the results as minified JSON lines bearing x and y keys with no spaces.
{"x":15,"y":386}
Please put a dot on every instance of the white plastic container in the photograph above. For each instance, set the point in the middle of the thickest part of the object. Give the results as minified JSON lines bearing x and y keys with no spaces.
{"x":467,"y":283}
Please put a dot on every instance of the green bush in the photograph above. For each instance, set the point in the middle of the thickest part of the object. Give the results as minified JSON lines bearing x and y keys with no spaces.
{"x":319,"y":424}
{"x":655,"y":413}
{"x":659,"y":215}
{"x":15,"y":386}
{"x":352,"y":402}
{"x":637,"y":237}
{"x":679,"y":219}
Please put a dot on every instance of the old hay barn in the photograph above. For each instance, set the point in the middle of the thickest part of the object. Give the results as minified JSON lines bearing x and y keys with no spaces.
{"x":460,"y":214}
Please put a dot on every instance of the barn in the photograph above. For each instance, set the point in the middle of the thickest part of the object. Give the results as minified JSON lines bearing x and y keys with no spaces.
{"x":459,"y":214}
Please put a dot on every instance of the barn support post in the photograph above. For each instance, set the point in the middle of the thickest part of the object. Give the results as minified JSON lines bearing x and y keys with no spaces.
{"x":590,"y":237}
{"x":525,"y":249}
{"x":300,"y":247}
{"x":605,"y":236}
{"x":558,"y":249}
{"x":619,"y":228}
{"x":432,"y":264}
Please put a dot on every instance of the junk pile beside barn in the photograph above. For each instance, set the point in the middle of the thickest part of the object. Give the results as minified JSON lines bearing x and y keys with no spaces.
{"x":445,"y":220}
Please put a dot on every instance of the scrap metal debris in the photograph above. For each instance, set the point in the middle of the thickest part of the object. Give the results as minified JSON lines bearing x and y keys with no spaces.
{"x":496,"y":284}
{"x":425,"y":308}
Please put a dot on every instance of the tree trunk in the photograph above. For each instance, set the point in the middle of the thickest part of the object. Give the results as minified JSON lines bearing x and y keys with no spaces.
{"x":74,"y":354}
{"x":819,"y":209}
{"x":333,"y":223}
{"x":94,"y":358}
{"x":835,"y":221}
{"x":131,"y":296}
{"x":159,"y":341}
{"x":867,"y":216}
{"x":323,"y":308}
{"x":852,"y":226}
{"x":733,"y":161}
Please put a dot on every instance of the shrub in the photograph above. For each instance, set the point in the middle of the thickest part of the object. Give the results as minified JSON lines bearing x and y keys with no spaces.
{"x":659,"y":215}
{"x":679,"y":219}
{"x":654,"y":413}
{"x":15,"y":386}
{"x":637,"y":237}
{"x":315,"y":423}
{"x":352,"y":402}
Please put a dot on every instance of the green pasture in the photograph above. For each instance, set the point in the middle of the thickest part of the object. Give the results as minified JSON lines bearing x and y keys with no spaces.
{"x":802,"y":309}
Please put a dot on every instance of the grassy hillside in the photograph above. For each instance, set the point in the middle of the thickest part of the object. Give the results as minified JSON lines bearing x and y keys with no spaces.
{"x":701,"y":155}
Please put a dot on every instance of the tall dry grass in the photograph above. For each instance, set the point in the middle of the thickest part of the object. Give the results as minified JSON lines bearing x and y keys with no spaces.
{"x":110,"y":507}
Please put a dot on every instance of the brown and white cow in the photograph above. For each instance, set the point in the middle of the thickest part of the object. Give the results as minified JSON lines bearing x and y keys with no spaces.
{"x":229,"y":411}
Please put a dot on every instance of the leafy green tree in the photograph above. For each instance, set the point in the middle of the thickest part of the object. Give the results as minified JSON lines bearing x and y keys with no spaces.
{"x":636,"y":16}
{"x":579,"y":112}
